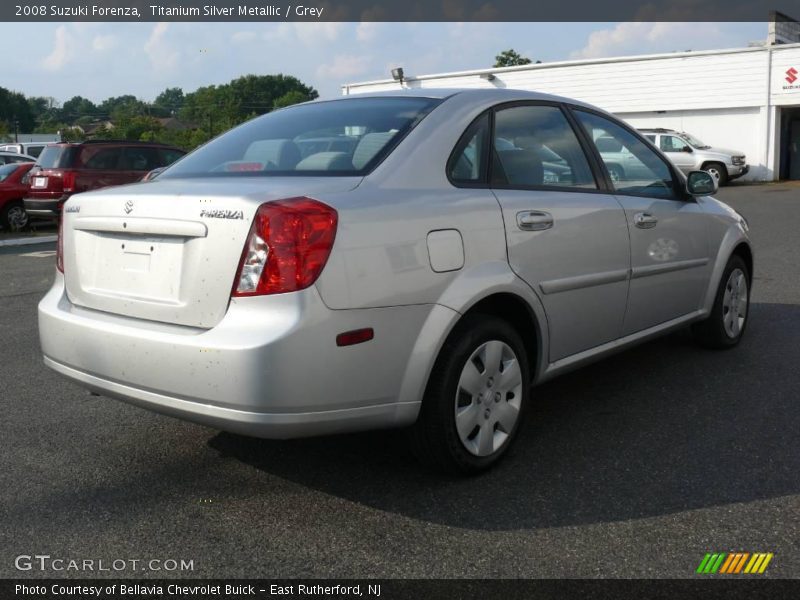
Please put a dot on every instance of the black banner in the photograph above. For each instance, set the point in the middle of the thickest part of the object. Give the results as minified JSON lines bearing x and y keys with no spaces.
{"x":388,"y":589}
{"x":390,"y":10}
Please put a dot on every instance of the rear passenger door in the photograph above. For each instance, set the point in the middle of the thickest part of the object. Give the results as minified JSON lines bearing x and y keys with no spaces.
{"x":567,"y":238}
{"x":137,"y":161}
{"x":98,"y":167}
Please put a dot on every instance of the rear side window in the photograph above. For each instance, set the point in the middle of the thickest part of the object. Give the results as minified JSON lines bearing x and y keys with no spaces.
{"x":99,"y":157}
{"x":56,"y":157}
{"x":169,"y":156}
{"x":140,"y":159}
{"x":468,"y":163}
{"x":336,"y":138}
{"x":34,"y":151}
{"x":535,"y":146}
{"x":6,"y":171}
{"x":634,"y":167}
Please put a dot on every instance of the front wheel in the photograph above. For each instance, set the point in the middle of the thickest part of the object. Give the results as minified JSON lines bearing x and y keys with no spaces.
{"x":725,"y":326}
{"x":475,"y":397}
{"x":718,"y":171}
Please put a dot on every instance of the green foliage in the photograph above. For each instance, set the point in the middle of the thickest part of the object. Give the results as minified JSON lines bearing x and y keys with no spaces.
{"x":14,"y":107}
{"x":510,"y":58}
{"x":204,"y":113}
{"x":235,"y":102}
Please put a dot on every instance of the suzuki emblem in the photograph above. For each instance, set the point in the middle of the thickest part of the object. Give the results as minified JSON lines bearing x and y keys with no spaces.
{"x":128,"y":207}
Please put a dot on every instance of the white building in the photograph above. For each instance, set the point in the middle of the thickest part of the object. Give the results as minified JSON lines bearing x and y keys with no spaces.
{"x":744,"y":99}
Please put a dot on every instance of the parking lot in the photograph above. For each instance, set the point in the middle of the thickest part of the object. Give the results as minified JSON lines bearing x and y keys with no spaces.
{"x":633,"y":467}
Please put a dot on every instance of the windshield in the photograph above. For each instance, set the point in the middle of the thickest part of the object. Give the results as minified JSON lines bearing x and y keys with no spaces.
{"x":337,"y":138}
{"x":693,"y":141}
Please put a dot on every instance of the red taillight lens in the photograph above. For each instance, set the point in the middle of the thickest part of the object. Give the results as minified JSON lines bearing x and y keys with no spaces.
{"x":68,"y":181}
{"x":60,"y":244}
{"x":288,"y":246}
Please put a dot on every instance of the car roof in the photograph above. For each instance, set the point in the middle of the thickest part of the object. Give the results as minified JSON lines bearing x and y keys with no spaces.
{"x":479,"y":95}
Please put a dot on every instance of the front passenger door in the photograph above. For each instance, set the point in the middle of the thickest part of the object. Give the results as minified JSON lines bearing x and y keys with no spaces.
{"x":669,"y":250}
{"x":674,"y":147}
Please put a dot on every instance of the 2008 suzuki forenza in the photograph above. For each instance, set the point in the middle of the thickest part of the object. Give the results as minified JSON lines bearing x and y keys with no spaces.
{"x":417,"y":258}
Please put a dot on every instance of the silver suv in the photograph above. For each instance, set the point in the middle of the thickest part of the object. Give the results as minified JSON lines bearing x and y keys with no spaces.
{"x":411,"y":259}
{"x":688,"y":153}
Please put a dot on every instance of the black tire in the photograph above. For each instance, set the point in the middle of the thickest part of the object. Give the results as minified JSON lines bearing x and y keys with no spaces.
{"x":13,"y":216}
{"x":434,"y":437}
{"x":720,"y":170}
{"x":712,"y":332}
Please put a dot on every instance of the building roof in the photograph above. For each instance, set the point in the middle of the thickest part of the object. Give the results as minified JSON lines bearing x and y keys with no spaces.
{"x":568,"y":63}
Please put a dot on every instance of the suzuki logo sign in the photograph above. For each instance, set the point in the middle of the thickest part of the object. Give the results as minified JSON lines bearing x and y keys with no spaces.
{"x":791,"y":75}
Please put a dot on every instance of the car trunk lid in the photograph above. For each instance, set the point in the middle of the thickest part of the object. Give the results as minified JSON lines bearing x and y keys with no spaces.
{"x":169,"y":250}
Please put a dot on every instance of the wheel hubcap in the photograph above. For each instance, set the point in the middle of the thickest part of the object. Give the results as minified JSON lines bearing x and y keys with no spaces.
{"x":714,"y":173}
{"x":734,"y":304}
{"x":488,"y":398}
{"x":17,"y":218}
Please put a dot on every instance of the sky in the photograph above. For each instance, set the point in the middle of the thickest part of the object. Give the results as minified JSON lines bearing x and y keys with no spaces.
{"x":99,"y":60}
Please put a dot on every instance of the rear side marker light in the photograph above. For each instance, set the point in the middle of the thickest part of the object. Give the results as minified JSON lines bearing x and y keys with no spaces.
{"x":287,"y":248}
{"x":357,"y":336}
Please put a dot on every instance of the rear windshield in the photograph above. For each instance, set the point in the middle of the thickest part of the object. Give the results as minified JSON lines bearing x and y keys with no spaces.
{"x":56,"y":157}
{"x":7,"y":170}
{"x":337,"y":138}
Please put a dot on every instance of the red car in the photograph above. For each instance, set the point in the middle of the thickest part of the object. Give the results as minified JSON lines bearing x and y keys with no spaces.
{"x":12,"y":191}
{"x":68,"y":168}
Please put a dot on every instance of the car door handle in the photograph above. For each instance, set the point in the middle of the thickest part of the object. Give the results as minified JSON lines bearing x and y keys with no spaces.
{"x":534,"y":220}
{"x":644,"y":220}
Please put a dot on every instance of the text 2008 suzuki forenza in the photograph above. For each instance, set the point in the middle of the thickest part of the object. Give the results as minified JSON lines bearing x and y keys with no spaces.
{"x":417,"y":258}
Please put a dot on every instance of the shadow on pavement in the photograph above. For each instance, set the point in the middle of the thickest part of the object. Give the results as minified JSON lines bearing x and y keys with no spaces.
{"x":662,"y":428}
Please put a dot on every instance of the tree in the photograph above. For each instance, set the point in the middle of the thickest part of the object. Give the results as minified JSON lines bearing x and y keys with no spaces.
{"x":169,"y":102}
{"x":232,"y":103}
{"x":77,"y":107}
{"x":510,"y":58}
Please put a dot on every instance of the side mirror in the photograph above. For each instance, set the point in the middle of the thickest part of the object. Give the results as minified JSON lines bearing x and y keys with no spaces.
{"x":687,"y":149}
{"x":701,"y":183}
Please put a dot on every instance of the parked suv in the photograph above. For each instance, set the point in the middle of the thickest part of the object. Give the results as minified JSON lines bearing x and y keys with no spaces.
{"x":67,"y":168}
{"x":466,"y":245}
{"x":688,"y":153}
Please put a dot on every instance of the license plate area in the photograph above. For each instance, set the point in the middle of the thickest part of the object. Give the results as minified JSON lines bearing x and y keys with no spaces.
{"x":39,"y":182}
{"x":138,"y":267}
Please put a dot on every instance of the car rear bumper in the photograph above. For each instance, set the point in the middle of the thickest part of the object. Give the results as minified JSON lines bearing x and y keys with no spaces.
{"x":44,"y":207}
{"x":270,"y":368}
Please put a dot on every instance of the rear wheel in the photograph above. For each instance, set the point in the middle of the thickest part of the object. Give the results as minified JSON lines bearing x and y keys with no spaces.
{"x":13,"y":216}
{"x":718,"y":171}
{"x":478,"y":389}
{"x":726,"y":324}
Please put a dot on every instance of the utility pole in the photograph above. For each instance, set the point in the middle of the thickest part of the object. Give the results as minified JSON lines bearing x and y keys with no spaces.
{"x":16,"y":130}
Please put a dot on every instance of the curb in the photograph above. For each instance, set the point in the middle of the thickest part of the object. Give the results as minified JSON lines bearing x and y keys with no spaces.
{"x":45,"y":239}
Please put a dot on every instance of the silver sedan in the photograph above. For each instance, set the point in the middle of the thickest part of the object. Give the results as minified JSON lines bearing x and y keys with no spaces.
{"x":414,"y":259}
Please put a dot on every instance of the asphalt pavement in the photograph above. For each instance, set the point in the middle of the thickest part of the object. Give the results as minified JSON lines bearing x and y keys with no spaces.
{"x":636,"y":466}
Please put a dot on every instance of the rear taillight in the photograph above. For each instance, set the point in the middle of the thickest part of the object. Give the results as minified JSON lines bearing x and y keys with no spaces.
{"x":68,"y":181}
{"x":60,"y":244}
{"x":288,"y":246}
